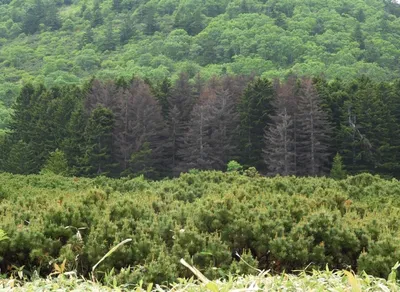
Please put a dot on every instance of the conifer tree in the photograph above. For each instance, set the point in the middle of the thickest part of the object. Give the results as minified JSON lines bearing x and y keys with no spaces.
{"x":181,"y":102}
{"x":127,"y":30}
{"x":210,"y":141}
{"x":42,"y":133}
{"x":56,"y":163}
{"x":196,"y":150}
{"x":109,"y":42}
{"x":5,"y":146}
{"x":367,"y":130}
{"x":176,"y":130}
{"x":23,"y":115}
{"x":98,"y":157}
{"x":255,"y":108}
{"x":139,"y":132}
{"x":35,"y":14}
{"x":20,"y":159}
{"x":74,"y":144}
{"x":101,"y":93}
{"x":224,"y":127}
{"x":183,"y":97}
{"x":142,"y":162}
{"x":337,"y":170}
{"x":279,"y":145}
{"x":313,"y":140}
{"x":163,"y":94}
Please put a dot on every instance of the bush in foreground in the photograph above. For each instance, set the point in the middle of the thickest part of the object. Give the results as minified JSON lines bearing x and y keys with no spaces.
{"x":279,"y":224}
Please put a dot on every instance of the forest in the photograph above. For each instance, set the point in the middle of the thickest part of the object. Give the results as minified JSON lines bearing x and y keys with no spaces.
{"x":300,"y":126}
{"x":251,"y":138}
{"x":64,"y":42}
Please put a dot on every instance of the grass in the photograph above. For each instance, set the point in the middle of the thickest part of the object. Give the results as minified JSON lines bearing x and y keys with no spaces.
{"x":314,"y":281}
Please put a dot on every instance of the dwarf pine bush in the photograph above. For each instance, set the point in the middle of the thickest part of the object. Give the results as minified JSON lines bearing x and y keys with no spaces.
{"x":277,"y":224}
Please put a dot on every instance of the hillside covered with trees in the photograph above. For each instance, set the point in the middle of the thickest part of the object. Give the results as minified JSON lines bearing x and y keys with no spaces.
{"x":65,"y":41}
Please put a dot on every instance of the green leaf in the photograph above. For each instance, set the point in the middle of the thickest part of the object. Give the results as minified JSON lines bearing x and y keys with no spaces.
{"x":212,"y":286}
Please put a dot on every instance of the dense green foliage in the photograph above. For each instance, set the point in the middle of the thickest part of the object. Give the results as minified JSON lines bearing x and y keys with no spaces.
{"x":275,"y":223}
{"x":64,"y":41}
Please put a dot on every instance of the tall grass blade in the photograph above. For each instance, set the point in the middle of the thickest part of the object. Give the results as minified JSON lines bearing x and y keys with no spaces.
{"x":111,"y":252}
{"x":196,"y":272}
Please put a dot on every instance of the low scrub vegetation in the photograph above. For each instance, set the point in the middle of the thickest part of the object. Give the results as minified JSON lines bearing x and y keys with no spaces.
{"x":283,"y":224}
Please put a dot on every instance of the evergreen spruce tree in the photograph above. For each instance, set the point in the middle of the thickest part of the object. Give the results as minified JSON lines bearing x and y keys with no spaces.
{"x":99,"y":149}
{"x":56,"y":163}
{"x":5,"y":146}
{"x":176,"y":131}
{"x":23,"y":113}
{"x":180,"y":103}
{"x":35,"y":15}
{"x":368,"y":129}
{"x":141,"y":162}
{"x":20,"y":159}
{"x":337,"y":170}
{"x":74,"y":144}
{"x":255,"y":108}
{"x":163,"y":94}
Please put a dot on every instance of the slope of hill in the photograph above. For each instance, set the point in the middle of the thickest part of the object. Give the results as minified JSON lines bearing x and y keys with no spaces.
{"x":64,"y":41}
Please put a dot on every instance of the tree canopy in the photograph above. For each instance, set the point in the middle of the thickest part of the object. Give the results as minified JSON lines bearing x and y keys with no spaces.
{"x":63,"y":42}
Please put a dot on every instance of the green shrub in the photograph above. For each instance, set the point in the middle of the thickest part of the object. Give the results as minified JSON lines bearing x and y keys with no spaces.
{"x":233,"y":165}
{"x":280,"y":223}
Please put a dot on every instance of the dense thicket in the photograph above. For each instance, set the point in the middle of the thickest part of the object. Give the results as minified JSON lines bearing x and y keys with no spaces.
{"x":277,"y":224}
{"x":60,"y":42}
{"x":135,"y":127}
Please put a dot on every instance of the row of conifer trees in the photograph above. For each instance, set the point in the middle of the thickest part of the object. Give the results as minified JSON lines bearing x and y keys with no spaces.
{"x":133,"y":127}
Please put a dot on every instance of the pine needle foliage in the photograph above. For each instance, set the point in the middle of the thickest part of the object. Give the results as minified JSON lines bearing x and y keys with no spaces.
{"x":277,"y":224}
